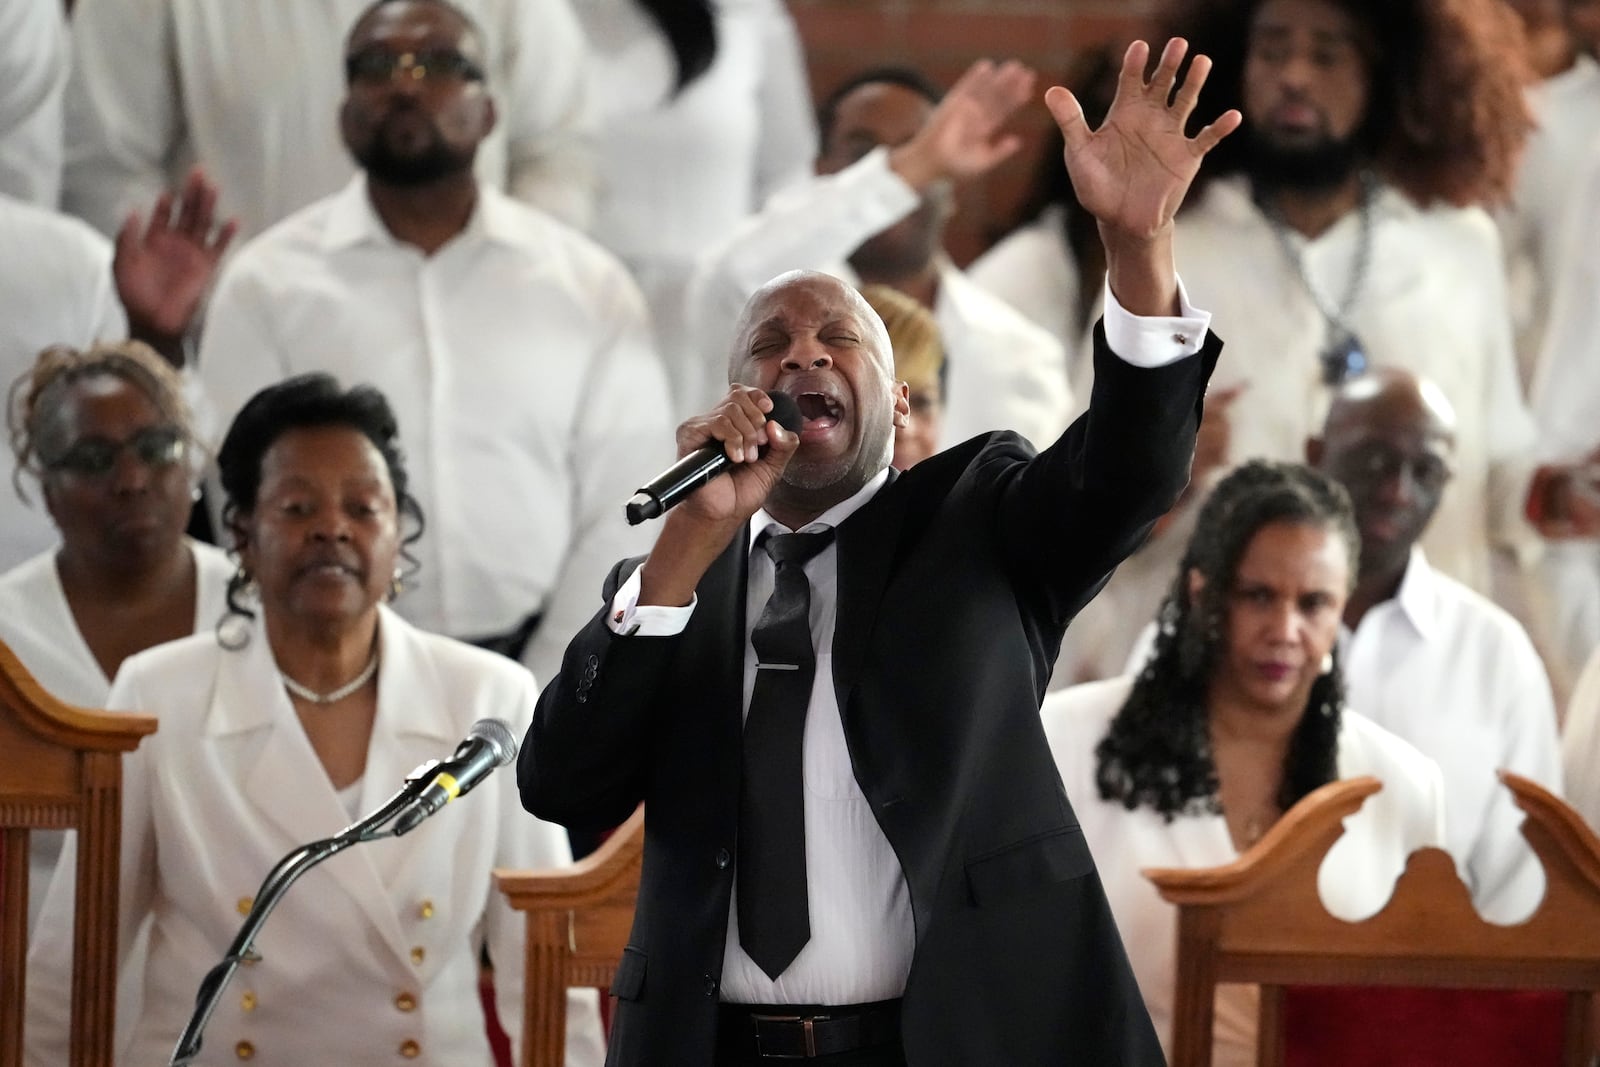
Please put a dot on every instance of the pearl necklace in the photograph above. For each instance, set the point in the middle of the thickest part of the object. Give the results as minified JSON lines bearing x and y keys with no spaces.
{"x":333,"y":696}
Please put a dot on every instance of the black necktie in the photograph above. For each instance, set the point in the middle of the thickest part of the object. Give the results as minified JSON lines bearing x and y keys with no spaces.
{"x":774,"y":915}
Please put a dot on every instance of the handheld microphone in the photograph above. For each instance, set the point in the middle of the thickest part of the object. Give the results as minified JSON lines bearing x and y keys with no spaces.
{"x":489,"y":745}
{"x":674,"y":484}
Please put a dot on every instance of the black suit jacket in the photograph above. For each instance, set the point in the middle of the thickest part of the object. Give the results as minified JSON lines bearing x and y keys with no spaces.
{"x":956,"y":583}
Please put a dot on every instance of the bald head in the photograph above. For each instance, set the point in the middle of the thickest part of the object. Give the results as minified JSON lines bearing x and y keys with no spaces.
{"x":814,"y":337}
{"x":1389,"y":438}
{"x":775,"y":300}
{"x":1391,"y":396}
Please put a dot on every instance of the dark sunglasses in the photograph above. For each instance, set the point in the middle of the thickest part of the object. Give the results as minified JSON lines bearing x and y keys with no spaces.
{"x":94,"y":457}
{"x":375,"y":66}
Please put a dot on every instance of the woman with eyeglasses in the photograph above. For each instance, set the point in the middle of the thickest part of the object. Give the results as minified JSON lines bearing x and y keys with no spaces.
{"x":304,"y":710}
{"x":106,"y":436}
{"x":1238,"y":714}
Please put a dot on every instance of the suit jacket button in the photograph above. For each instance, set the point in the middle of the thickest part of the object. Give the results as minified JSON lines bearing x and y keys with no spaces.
{"x":244,"y":1050}
{"x":711,"y":986}
{"x":723,"y":859}
{"x":410,"y":1049}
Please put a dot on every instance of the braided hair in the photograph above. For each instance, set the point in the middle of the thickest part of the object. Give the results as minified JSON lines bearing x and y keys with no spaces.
{"x":1157,"y":752}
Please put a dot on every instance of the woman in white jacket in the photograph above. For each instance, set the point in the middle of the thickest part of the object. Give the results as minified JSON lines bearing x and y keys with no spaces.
{"x":301,"y":712}
{"x":1238,"y":714}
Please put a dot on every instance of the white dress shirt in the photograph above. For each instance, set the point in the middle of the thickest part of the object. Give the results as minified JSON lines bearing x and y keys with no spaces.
{"x":55,"y":288}
{"x":1580,"y":744}
{"x":33,"y":72}
{"x":1566,"y":390}
{"x":1433,"y":302}
{"x":677,"y":172}
{"x":251,"y":89}
{"x":1355,"y":881}
{"x":862,"y":932}
{"x":1001,"y":371}
{"x":1533,"y":224}
{"x":1456,"y":676}
{"x":367,"y":956}
{"x":1033,"y":270}
{"x":518,"y":361}
{"x":37,"y":624}
{"x":1453,"y":674}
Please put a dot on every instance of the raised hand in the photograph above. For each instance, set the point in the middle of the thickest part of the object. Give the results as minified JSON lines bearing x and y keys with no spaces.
{"x":962,"y":139}
{"x":163,"y":269}
{"x":1132,"y":173}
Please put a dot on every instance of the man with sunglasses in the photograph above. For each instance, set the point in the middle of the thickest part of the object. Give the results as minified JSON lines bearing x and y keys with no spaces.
{"x":249,"y":89}
{"x":1425,"y":656}
{"x":515,"y":351}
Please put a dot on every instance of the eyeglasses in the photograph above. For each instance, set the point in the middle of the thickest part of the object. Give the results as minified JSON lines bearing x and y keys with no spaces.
{"x":375,"y":66}
{"x":95,"y":457}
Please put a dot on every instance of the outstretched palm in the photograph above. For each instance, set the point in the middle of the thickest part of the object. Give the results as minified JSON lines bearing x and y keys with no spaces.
{"x":163,"y":269}
{"x":1132,"y":173}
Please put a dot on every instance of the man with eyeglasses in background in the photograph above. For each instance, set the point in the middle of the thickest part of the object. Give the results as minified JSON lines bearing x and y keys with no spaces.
{"x":515,"y":351}
{"x":1425,"y":656}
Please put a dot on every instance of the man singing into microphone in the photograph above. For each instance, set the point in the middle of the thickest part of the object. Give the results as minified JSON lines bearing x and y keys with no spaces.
{"x":824,"y":681}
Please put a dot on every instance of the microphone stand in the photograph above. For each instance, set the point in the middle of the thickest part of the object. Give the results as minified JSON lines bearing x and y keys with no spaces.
{"x":287,"y":871}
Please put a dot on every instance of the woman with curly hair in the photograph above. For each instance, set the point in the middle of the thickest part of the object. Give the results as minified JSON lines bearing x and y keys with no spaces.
{"x":282,"y":725}
{"x":106,"y":438}
{"x":1239,"y":714}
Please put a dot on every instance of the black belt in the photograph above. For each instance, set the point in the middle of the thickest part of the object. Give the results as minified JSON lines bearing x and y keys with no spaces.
{"x":513,"y":642}
{"x":785,"y":1032}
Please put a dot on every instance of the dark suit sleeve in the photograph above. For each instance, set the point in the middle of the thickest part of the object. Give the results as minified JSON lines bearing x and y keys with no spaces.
{"x":583,"y":762}
{"x":1076,"y":510}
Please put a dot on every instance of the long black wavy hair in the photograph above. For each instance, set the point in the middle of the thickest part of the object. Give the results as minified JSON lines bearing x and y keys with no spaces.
{"x":690,"y":27}
{"x":1157,"y":753}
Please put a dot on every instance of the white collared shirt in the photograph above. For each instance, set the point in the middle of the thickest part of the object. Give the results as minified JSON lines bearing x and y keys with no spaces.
{"x":1433,"y":301}
{"x":679,"y":170}
{"x":862,"y":930}
{"x":56,"y":287}
{"x":33,"y":69}
{"x":518,"y":361}
{"x":250,"y":89}
{"x":1456,"y":676}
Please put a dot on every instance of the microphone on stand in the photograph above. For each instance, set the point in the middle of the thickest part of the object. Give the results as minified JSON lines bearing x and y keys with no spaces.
{"x":489,"y":745}
{"x":674,"y":484}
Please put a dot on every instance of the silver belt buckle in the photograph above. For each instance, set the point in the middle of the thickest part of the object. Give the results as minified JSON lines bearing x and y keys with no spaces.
{"x":806,"y":1025}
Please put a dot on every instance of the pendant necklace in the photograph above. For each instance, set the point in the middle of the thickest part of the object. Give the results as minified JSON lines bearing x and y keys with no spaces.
{"x":1343,"y":357}
{"x":333,"y":696}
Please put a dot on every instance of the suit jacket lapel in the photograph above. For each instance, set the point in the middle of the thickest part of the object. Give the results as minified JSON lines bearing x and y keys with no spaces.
{"x":720,"y":640}
{"x":868,"y":544}
{"x":287,"y":784}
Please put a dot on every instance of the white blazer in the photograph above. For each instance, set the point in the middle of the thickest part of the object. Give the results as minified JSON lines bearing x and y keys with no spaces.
{"x":370,"y":956}
{"x":1355,"y":881}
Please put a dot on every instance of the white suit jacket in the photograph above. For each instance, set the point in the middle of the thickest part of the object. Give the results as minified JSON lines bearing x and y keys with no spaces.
{"x":370,"y":956}
{"x":1355,"y":881}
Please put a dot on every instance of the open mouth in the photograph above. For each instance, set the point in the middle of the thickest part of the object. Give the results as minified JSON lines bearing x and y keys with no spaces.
{"x":820,"y":411}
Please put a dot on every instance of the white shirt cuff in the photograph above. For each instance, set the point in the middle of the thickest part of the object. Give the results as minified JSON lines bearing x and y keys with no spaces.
{"x":1155,"y":342}
{"x":629,"y":619}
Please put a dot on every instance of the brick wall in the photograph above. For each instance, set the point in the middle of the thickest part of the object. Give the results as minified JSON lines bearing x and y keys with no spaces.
{"x":941,"y":37}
